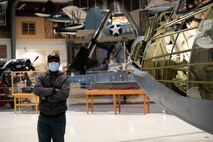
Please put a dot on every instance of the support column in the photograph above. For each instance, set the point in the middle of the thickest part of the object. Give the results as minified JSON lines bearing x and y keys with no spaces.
{"x":13,"y":28}
{"x":143,"y":17}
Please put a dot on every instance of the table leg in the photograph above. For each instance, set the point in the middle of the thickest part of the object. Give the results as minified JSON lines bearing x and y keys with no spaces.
{"x":14,"y":104}
{"x":148,"y":101}
{"x":119,"y":103}
{"x":144,"y":103}
{"x":115,"y":104}
{"x":92,"y":103}
{"x":36,"y":104}
{"x":87,"y":103}
{"x":22,"y":107}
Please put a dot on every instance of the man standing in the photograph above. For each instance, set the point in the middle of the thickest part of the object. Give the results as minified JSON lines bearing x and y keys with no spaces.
{"x":53,"y":88}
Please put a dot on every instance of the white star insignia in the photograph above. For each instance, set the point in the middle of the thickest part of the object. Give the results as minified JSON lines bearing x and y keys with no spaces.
{"x":115,"y":30}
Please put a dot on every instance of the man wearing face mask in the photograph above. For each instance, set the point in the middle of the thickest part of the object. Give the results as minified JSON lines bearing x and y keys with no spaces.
{"x":53,"y":88}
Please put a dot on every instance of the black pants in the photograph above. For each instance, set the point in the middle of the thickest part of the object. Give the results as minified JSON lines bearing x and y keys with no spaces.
{"x":51,"y":127}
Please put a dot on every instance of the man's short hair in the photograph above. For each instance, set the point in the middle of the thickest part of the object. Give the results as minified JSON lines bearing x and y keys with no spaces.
{"x":53,"y":57}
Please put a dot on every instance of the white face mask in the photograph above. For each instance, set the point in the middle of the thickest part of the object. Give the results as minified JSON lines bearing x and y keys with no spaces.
{"x":53,"y":66}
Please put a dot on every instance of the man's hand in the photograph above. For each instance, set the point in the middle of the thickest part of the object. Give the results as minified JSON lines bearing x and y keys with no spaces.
{"x":56,"y":95}
{"x":57,"y":90}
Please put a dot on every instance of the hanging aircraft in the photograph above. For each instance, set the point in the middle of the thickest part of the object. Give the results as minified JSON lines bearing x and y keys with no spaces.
{"x":69,"y":18}
{"x":92,"y":20}
{"x":83,"y":23}
{"x":69,"y":14}
{"x":173,"y":61}
{"x":73,"y":19}
{"x":111,"y":33}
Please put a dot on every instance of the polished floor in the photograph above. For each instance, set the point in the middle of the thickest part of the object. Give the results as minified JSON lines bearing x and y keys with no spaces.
{"x":104,"y":126}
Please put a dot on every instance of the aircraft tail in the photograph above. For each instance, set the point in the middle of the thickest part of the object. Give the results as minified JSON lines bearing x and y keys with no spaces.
{"x":75,"y":12}
{"x":93,"y":19}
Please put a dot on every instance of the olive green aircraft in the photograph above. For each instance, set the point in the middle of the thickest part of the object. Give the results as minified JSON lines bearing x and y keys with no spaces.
{"x":174,"y":61}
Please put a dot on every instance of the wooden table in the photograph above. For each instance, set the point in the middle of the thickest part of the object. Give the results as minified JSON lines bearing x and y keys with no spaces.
{"x":116,"y":97}
{"x":21,"y":103}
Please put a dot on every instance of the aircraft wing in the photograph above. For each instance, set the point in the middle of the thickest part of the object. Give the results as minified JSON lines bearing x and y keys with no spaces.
{"x":71,"y":29}
{"x":110,"y":33}
{"x":60,"y":17}
{"x":192,"y":110}
{"x":42,"y":15}
{"x":56,"y":17}
{"x":116,"y":38}
{"x":68,"y":14}
{"x":85,"y":33}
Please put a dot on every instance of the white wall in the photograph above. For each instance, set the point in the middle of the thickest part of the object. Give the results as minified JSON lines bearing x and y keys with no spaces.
{"x":33,"y":48}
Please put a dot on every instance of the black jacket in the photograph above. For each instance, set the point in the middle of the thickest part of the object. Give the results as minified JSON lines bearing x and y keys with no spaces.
{"x":53,"y":90}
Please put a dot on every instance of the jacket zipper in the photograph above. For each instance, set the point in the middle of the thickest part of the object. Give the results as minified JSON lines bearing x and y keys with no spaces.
{"x":53,"y":81}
